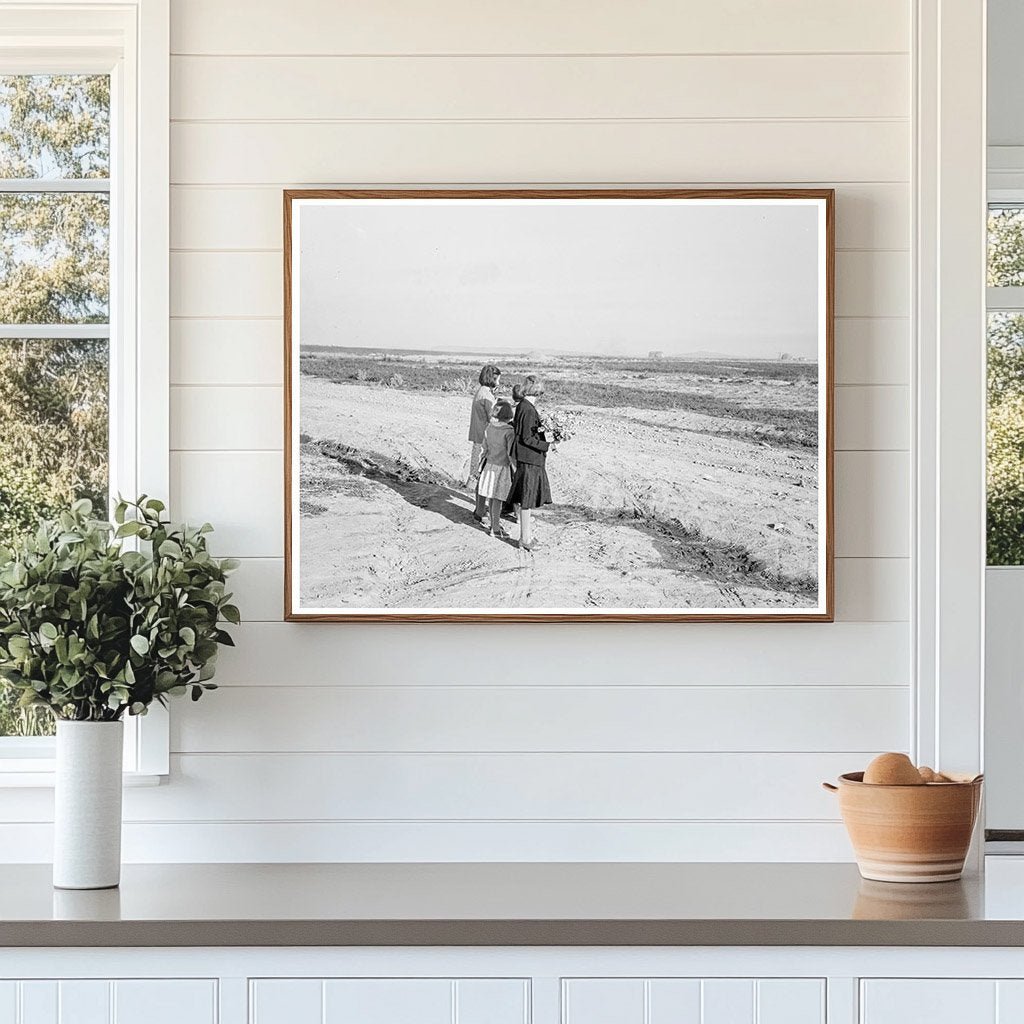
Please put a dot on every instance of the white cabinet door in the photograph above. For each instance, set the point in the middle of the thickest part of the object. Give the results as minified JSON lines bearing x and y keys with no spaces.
{"x":144,"y":1001}
{"x":388,"y":1001}
{"x":693,"y":1001}
{"x":941,"y":1001}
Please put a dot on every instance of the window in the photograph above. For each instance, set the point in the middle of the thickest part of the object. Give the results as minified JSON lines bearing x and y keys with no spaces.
{"x":54,"y":309}
{"x":1005,"y":498}
{"x":84,"y":125}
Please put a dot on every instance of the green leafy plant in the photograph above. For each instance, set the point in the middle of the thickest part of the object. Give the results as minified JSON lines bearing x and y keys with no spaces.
{"x":91,"y":630}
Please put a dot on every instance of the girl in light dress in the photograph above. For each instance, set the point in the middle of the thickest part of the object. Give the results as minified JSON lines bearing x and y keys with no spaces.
{"x":479,"y":416}
{"x":498,"y":463}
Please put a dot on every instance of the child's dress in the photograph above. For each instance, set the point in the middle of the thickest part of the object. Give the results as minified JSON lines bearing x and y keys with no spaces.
{"x":496,"y":477}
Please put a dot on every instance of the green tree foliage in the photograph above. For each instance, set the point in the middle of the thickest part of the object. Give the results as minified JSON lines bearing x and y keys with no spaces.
{"x":53,"y":448}
{"x":54,"y":249}
{"x":54,"y":268}
{"x":1006,"y":481}
{"x":54,"y":126}
{"x":1005,"y":498}
{"x":1005,"y":247}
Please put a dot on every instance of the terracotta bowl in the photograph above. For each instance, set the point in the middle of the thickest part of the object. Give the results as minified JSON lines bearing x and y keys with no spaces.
{"x":909,"y":833}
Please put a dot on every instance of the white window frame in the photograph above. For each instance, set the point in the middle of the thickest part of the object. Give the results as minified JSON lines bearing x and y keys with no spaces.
{"x":130,"y":41}
{"x":1003,"y":710}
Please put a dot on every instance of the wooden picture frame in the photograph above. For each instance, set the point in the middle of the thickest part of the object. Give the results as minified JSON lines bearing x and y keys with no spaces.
{"x":394,"y":472}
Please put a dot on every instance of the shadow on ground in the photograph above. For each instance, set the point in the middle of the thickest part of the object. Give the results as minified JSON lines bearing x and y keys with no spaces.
{"x":681,"y":548}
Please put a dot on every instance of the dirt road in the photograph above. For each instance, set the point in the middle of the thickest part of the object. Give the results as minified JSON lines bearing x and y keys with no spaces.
{"x":653,"y":510}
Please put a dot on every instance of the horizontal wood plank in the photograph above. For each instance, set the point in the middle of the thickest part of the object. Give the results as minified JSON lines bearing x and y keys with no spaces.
{"x":872,"y":418}
{"x":551,"y":152}
{"x":872,"y":350}
{"x":415,"y":787}
{"x":247,"y":284}
{"x":553,"y":718}
{"x":873,"y":589}
{"x":235,"y":418}
{"x":872,"y":501}
{"x":458,"y":842}
{"x":873,"y":284}
{"x":241,"y":493}
{"x":528,"y":88}
{"x":533,"y":26}
{"x":228,"y":352}
{"x":867,"y":589}
{"x":752,"y":654}
{"x":249,"y":217}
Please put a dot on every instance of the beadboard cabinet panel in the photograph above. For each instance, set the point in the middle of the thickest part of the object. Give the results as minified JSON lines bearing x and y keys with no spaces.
{"x":931,"y":1001}
{"x":102,"y":1001}
{"x":389,"y":1001}
{"x":693,"y":1001}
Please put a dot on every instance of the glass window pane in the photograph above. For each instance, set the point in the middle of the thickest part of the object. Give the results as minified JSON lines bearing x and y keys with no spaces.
{"x":1005,"y":246}
{"x":53,"y":449}
{"x":54,"y":257}
{"x":1006,"y":439}
{"x":53,"y":427}
{"x":54,"y":126}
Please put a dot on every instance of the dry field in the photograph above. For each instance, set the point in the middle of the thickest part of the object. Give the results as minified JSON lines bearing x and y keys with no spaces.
{"x":688,"y":484}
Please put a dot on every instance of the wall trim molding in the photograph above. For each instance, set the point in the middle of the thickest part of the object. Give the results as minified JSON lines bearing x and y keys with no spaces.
{"x":949,"y":445}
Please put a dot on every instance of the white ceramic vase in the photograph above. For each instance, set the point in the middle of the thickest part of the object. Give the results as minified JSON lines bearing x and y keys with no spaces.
{"x":87,"y":811}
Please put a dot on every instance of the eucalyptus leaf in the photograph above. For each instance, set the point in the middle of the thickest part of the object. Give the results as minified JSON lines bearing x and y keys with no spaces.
{"x":170,"y":549}
{"x":93,"y":631}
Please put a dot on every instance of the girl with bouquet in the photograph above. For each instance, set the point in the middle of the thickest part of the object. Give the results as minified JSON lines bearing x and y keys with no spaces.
{"x":530,"y":487}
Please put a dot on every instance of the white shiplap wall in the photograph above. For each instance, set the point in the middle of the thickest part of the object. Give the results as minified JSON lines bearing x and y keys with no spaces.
{"x":632,"y":741}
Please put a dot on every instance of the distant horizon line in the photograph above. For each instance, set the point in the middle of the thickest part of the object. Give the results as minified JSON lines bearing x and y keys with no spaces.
{"x":653,"y":353}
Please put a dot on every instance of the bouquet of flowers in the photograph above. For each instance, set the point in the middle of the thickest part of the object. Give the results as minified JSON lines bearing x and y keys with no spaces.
{"x":557,"y":426}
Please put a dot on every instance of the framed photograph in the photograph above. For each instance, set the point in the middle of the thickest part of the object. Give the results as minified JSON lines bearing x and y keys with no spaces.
{"x":558,"y":405}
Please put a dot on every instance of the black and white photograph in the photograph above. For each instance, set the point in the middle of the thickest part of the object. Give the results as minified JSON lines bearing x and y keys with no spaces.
{"x":526,"y":405}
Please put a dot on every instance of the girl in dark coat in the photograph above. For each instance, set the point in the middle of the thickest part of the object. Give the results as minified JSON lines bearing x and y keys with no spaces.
{"x":530,"y":488}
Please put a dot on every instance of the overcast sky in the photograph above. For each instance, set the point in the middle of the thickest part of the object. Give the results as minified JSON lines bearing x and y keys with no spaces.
{"x":606,"y":277}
